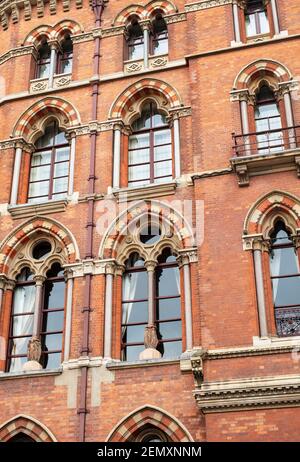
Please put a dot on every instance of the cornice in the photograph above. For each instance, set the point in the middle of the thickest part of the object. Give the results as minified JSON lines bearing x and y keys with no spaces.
{"x":249,"y":393}
{"x":204,"y":4}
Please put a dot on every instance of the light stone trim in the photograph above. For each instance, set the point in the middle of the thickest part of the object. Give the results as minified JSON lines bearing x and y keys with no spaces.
{"x":99,"y":375}
{"x":145,"y":192}
{"x":62,"y":80}
{"x":30,"y":210}
{"x":204,"y":4}
{"x":15,"y":52}
{"x":69,"y":379}
{"x":249,"y":393}
{"x":38,"y":85}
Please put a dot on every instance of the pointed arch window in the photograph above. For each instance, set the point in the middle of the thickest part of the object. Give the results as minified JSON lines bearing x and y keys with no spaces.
{"x":150,"y":157}
{"x":256,"y":18}
{"x":135,"y":41}
{"x":65,"y":57}
{"x":268,"y":122}
{"x":43,"y":61}
{"x":49,"y":171}
{"x":285,"y":276}
{"x":159,"y":41}
{"x":37,"y":311}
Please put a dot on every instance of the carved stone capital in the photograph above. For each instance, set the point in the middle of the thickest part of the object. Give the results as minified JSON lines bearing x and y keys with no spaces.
{"x":110,"y":268}
{"x":3,"y":282}
{"x":39,"y":280}
{"x":242,"y":174}
{"x":256,"y":242}
{"x":197,"y":359}
{"x":10,"y":284}
{"x":150,"y":265}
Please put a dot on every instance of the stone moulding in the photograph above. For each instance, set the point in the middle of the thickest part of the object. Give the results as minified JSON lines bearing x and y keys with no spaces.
{"x":249,"y":393}
{"x":29,"y":210}
{"x":204,"y":4}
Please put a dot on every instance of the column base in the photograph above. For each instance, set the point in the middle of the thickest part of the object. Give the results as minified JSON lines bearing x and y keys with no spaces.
{"x":149,"y":353}
{"x":32,"y":366}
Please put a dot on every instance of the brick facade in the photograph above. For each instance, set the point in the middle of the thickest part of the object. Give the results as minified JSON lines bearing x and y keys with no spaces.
{"x":233,"y":384}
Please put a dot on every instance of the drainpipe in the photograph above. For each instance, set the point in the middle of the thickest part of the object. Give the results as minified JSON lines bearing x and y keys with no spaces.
{"x":98,"y":7}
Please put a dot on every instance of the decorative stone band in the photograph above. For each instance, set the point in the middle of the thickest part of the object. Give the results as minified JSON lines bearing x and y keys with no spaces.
{"x":15,"y":52}
{"x":10,"y":10}
{"x":204,"y":4}
{"x":249,"y":393}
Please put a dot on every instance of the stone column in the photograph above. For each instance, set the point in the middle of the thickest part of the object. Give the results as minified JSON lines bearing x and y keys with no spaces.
{"x":3,"y":282}
{"x":289,"y":118}
{"x":72,"y":138}
{"x":53,"y":62}
{"x":39,"y":281}
{"x":177,"y":146}
{"x":68,"y":325}
{"x":275,"y":17}
{"x":236,"y":23}
{"x":117,"y":155}
{"x":146,"y":30}
{"x":150,"y":338}
{"x":256,"y":244}
{"x":244,"y":100}
{"x":184,"y":263}
{"x":16,"y":174}
{"x":109,"y":279}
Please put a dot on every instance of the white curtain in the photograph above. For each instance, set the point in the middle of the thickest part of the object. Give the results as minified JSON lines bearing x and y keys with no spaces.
{"x":129,"y":291}
{"x":275,"y":267}
{"x":177,"y":279}
{"x":24,"y":300}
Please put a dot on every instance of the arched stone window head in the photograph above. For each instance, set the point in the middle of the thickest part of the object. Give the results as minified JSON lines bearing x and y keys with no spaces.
{"x":150,"y":156}
{"x":149,"y":434}
{"x":49,"y":170}
{"x":159,"y":42}
{"x":268,"y":123}
{"x":256,"y":18}
{"x":43,"y":61}
{"x":65,"y":56}
{"x":135,"y":40}
{"x":285,"y":276}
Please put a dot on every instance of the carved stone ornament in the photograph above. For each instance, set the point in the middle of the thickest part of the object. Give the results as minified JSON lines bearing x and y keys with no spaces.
{"x":197,"y":365}
{"x":150,"y":337}
{"x":34,"y":352}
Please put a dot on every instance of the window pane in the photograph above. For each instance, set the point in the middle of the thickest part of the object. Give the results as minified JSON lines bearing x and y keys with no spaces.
{"x":171,"y":349}
{"x":53,"y":321}
{"x":264,"y":23}
{"x":53,"y":360}
{"x":24,"y":298}
{"x":160,"y":47}
{"x":284,"y":261}
{"x":162,"y":153}
{"x":139,"y":172}
{"x":52,"y":342}
{"x":158,"y":120}
{"x":139,"y":141}
{"x":138,"y":157}
{"x":40,"y":173}
{"x":135,"y":286}
{"x":62,"y":154}
{"x":135,"y":312}
{"x":16,"y":364}
{"x":39,"y":189}
{"x":163,"y":168}
{"x":60,"y":138}
{"x":61,"y":169}
{"x":132,"y":353}
{"x":54,"y":295}
{"x":43,"y":71}
{"x":286,"y":291}
{"x":162,"y":137}
{"x":169,"y":330}
{"x":41,"y":158}
{"x":167,"y":281}
{"x":22,"y":325}
{"x":66,"y":66}
{"x":133,"y":334}
{"x":136,"y":51}
{"x":60,"y":185}
{"x":19,"y":346}
{"x":250,"y":25}
{"x":168,"y":308}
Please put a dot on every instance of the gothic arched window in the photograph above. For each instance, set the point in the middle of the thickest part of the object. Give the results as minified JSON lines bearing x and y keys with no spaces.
{"x":285,"y":276}
{"x":135,"y":42}
{"x":268,"y":122}
{"x":256,"y":18}
{"x":43,"y":61}
{"x":150,"y":158}
{"x":160,"y":36}
{"x":65,"y":56}
{"x":49,"y":171}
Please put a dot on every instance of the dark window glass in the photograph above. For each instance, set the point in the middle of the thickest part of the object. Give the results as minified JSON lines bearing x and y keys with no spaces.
{"x":65,"y":57}
{"x":160,"y":36}
{"x":43,"y":62}
{"x":53,"y":318}
{"x":285,"y":281}
{"x":49,"y":172}
{"x":268,"y":122}
{"x":150,"y":149}
{"x":21,"y":324}
{"x":21,"y":438}
{"x":41,"y":250}
{"x":135,"y":41}
{"x":256,"y":18}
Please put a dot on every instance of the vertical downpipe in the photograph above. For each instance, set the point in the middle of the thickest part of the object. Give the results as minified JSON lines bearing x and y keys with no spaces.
{"x":98,"y":7}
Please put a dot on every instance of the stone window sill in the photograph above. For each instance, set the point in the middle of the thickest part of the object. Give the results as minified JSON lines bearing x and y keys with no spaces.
{"x":276,"y":341}
{"x":145,"y":192}
{"x":113,"y":364}
{"x":43,"y":208}
{"x":25,"y":374}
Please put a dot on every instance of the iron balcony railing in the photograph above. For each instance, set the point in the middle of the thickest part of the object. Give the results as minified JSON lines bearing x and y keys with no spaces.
{"x":266,"y":142}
